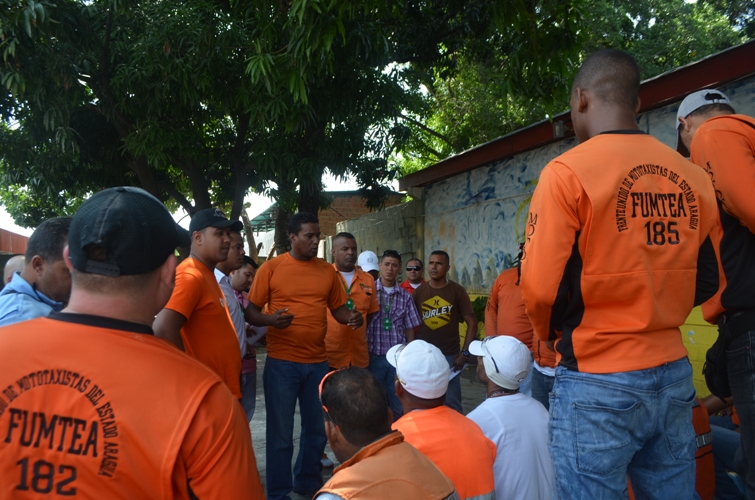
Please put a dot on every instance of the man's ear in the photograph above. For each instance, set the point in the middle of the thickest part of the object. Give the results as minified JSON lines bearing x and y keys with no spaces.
{"x":583,"y":98}
{"x":333,"y":433}
{"x":399,"y":388}
{"x":67,"y":259}
{"x":686,"y":123}
{"x":638,"y":106}
{"x":168,"y":271}
{"x":38,"y":264}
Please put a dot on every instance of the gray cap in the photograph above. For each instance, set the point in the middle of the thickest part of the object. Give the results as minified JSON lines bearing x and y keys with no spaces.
{"x":692,"y":102}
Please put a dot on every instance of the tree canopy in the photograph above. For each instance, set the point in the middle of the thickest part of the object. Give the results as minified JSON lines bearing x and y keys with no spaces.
{"x":200,"y":101}
{"x":477,"y":103}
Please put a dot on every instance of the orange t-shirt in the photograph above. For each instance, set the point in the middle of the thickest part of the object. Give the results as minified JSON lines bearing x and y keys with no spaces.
{"x":92,"y":407}
{"x":610,"y":263}
{"x":307,"y":288}
{"x":455,"y":444}
{"x":208,"y":334}
{"x":724,"y":147}
{"x":505,"y":314}
{"x":344,"y":345}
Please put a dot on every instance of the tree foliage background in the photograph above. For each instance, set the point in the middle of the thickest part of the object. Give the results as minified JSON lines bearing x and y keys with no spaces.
{"x":201,"y":101}
{"x":476,"y":103}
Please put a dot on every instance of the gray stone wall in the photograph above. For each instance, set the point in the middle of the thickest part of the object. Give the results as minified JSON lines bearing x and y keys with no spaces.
{"x":399,"y":227}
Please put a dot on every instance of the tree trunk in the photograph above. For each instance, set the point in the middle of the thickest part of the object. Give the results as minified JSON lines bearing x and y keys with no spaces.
{"x":282,"y":241}
{"x":249,"y":235}
{"x":309,"y":192}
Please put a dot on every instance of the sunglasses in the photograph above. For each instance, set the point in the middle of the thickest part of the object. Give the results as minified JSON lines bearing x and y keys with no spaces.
{"x":487,"y":352}
{"x":325,"y":408}
{"x":413,"y":268}
{"x":395,"y":358}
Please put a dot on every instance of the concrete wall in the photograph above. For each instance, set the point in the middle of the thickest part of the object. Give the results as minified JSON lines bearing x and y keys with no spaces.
{"x":478,"y":217}
{"x":399,"y":227}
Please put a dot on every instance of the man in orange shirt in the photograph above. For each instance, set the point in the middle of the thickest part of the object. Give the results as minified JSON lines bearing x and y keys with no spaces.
{"x":609,"y":273}
{"x":723,"y":144}
{"x":376,"y":463}
{"x":344,"y":345}
{"x":93,"y":405}
{"x":414,"y":276}
{"x":300,"y":289}
{"x":196,"y":319}
{"x":453,"y":442}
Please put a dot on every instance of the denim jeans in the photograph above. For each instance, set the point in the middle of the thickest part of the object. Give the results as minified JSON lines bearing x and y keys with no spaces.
{"x":726,"y":442}
{"x":542,"y":385}
{"x":604,"y":427}
{"x":386,"y":373}
{"x":740,"y":366}
{"x":249,"y":393}
{"x":453,"y":394}
{"x":285,"y":382}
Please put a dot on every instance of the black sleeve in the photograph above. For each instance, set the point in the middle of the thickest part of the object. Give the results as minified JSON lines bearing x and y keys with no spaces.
{"x":707,"y":273}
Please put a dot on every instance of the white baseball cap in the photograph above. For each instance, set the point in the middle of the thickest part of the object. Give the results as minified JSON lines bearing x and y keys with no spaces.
{"x":368,"y":261}
{"x":692,"y":102}
{"x":507,"y":360}
{"x":421,"y":368}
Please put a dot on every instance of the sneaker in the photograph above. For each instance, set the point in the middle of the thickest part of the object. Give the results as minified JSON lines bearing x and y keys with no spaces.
{"x":326,"y":462}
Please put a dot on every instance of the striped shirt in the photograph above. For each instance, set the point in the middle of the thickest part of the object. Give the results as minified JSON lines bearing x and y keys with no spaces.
{"x":403,"y":314}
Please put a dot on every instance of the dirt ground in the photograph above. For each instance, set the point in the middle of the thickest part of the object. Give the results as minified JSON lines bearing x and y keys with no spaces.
{"x":472,"y":392}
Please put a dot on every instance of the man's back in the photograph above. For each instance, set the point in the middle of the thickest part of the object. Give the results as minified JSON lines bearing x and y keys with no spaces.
{"x":208,"y":334}
{"x":456,"y":445}
{"x":389,"y":468}
{"x":505,"y":311}
{"x":518,"y":425}
{"x":637,"y":214}
{"x":99,"y":408}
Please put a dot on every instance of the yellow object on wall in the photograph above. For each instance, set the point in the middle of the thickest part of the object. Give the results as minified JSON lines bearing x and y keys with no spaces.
{"x":697,"y":334}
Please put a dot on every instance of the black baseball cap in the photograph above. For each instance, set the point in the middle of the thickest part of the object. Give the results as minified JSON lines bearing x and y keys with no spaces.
{"x":212,"y":217}
{"x":133,"y":229}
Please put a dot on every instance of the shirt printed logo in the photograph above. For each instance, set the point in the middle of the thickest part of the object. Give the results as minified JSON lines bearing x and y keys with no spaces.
{"x":436,"y":312}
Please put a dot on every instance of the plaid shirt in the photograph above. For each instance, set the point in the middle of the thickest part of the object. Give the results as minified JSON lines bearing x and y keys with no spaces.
{"x":403,"y":314}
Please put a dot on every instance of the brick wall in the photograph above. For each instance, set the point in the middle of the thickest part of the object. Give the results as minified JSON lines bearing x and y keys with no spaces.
{"x":399,"y":227}
{"x":345,"y":208}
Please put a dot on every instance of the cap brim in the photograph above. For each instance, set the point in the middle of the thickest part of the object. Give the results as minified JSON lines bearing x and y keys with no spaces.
{"x":475,"y":348}
{"x":235,"y":225}
{"x":390,"y":356}
{"x":369,"y":268}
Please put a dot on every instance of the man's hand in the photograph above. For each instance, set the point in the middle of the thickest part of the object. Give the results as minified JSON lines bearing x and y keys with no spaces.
{"x":459,"y":361}
{"x":355,"y":319}
{"x":280,"y":320}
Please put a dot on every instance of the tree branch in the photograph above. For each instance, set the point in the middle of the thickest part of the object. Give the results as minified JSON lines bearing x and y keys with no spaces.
{"x":428,"y":129}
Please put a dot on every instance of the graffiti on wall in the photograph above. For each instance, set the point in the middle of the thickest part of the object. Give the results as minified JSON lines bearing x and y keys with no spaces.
{"x":479,"y":217}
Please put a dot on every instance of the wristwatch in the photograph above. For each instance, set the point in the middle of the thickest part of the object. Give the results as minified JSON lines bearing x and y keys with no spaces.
{"x":465,"y":353}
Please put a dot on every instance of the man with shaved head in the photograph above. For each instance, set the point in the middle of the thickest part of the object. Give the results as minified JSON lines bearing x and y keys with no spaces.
{"x":609,"y":274}
{"x":14,"y":265}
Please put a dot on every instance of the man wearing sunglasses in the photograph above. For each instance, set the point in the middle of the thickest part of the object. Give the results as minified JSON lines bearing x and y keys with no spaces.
{"x":414,"y":276}
{"x":515,"y":422}
{"x":375,"y":461}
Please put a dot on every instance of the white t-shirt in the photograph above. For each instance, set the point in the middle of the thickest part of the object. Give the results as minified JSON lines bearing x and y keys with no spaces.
{"x":518,"y":425}
{"x":415,"y":286}
{"x":348,"y":277}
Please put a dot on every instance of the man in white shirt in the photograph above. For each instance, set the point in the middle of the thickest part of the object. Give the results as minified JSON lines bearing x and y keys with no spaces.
{"x":516,"y":423}
{"x":222,"y":274}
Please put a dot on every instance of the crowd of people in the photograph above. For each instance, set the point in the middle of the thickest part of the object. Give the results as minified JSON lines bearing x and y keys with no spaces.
{"x":125,"y":374}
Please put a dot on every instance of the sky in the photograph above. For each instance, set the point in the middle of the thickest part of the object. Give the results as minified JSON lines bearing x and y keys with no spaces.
{"x":258,"y":204}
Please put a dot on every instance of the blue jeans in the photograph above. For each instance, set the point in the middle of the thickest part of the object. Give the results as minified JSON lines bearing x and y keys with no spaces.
{"x":725,"y":446}
{"x":604,"y":427}
{"x":542,"y":385}
{"x":249,"y":393}
{"x":525,"y":386}
{"x":386,"y":374}
{"x":453,"y":395}
{"x":740,"y":363}
{"x":285,"y":382}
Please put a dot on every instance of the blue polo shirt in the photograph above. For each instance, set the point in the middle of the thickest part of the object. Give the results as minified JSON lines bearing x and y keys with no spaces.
{"x":20,"y":301}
